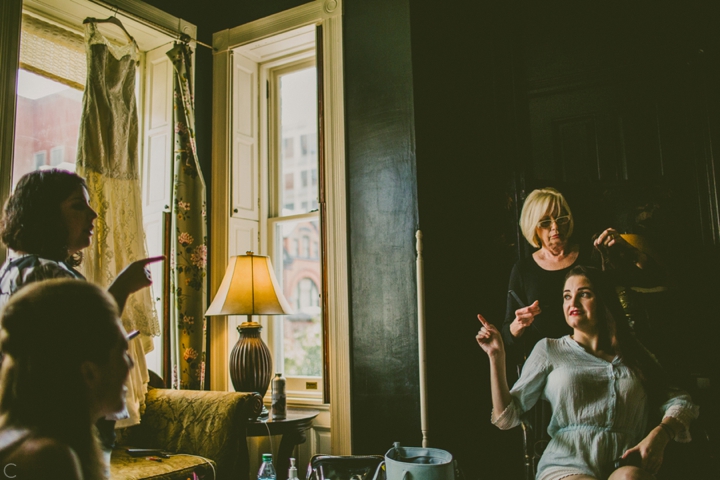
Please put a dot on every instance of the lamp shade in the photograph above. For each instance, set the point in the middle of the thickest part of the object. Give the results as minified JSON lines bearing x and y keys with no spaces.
{"x":249,"y":288}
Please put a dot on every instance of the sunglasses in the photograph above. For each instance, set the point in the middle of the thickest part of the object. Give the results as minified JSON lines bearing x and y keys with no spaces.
{"x":564,"y":220}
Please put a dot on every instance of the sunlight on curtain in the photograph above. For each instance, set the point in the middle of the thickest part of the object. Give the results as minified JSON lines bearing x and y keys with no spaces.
{"x":189,"y":255}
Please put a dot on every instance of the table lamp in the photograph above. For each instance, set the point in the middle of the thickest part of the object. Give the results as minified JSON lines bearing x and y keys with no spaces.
{"x":249,"y":287}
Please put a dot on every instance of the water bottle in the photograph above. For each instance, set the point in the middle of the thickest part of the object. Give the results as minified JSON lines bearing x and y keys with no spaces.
{"x":292,"y":471}
{"x":267,"y":471}
{"x":279,"y":404}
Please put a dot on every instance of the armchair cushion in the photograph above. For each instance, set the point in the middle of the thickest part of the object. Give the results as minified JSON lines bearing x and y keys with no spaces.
{"x":201,"y":423}
{"x":177,"y":467}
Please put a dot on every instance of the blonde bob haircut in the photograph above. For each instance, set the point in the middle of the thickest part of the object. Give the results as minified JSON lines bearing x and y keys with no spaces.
{"x":540,"y":203}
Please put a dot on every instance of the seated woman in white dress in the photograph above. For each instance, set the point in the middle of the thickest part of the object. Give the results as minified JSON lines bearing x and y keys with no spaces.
{"x":603,"y":386}
{"x":65,"y":367}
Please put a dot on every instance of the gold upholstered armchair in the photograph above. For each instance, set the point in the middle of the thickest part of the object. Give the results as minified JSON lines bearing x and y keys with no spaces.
{"x":205,"y":432}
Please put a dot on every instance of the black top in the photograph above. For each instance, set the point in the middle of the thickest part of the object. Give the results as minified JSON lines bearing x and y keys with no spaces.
{"x":532,"y":282}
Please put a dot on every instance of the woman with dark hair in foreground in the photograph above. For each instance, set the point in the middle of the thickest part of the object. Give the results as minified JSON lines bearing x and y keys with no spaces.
{"x":64,"y":368}
{"x":603,"y":387}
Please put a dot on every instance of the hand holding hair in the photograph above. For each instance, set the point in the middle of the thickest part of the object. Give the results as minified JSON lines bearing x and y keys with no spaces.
{"x":524,"y":317}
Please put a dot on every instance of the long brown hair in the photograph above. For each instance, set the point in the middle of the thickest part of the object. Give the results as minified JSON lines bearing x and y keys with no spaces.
{"x":48,"y":330}
{"x":615,"y":331}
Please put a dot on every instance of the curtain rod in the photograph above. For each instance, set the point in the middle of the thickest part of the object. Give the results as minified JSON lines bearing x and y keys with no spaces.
{"x":183,"y":37}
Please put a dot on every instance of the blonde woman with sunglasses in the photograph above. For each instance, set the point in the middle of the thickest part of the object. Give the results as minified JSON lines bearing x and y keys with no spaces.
{"x":534,"y":310}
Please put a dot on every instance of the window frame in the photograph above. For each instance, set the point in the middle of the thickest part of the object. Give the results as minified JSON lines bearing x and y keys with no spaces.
{"x":327,"y":15}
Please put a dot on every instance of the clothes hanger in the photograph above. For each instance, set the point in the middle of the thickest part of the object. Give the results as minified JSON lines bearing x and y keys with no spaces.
{"x":113,"y":20}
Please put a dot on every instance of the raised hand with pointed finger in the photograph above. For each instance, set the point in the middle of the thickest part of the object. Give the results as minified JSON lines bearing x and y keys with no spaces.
{"x":489,"y":339}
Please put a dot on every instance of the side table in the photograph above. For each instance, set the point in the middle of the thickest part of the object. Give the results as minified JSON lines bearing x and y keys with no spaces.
{"x":292,"y":429}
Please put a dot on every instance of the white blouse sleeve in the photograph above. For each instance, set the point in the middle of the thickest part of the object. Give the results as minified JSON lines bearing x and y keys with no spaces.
{"x":680,"y":407}
{"x":527,"y":390}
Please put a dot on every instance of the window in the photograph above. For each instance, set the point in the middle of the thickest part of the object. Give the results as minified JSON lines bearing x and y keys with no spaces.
{"x":288,"y":147}
{"x":38,"y":161}
{"x":284,"y":225}
{"x":289,"y":181}
{"x":47,"y":115}
{"x":51,"y":79}
{"x":308,"y":144}
{"x":305,"y":246}
{"x":299,"y":341}
{"x":56,"y":156}
{"x":263,"y":43}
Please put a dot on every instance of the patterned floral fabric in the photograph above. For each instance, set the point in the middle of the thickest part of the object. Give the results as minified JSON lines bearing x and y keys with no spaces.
{"x":19,"y":271}
{"x":189,"y":255}
{"x":208,"y":424}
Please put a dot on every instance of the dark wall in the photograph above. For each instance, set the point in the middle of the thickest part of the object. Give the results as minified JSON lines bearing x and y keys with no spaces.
{"x":382,"y":214}
{"x":607,"y":102}
{"x":466,"y":152}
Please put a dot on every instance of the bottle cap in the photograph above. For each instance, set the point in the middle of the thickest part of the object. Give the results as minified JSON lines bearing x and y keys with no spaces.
{"x":266,"y":457}
{"x":292,"y":471}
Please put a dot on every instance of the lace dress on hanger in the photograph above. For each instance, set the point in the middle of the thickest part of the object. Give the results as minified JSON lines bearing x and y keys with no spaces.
{"x":108,"y":160}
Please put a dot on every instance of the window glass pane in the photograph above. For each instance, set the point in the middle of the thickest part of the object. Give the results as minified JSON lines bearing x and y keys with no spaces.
{"x":46,"y":130}
{"x":298,"y":125}
{"x":302,"y":331}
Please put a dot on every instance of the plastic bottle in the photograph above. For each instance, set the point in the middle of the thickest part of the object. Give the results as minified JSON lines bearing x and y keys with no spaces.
{"x":292,"y":471}
{"x":279,"y":403}
{"x":267,"y":471}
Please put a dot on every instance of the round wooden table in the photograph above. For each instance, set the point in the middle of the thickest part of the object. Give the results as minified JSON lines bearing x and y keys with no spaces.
{"x":292,"y":429}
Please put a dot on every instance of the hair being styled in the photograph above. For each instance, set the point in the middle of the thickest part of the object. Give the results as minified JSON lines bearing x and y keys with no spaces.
{"x":31,"y":221}
{"x":615,"y":331}
{"x":48,"y":330}
{"x":541,"y":202}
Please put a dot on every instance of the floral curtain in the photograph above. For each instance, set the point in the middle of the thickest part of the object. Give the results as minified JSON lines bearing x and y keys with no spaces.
{"x":189,"y":227}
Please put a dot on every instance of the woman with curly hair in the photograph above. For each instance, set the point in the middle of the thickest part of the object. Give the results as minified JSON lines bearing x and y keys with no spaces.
{"x":47,"y":221}
{"x":603,"y":387}
{"x":65,"y":366}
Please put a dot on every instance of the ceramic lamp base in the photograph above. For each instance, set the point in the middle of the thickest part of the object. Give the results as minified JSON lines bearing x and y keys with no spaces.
{"x":250,"y":361}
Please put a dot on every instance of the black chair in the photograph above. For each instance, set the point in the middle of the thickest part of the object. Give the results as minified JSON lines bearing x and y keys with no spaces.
{"x":345,"y":467}
{"x":534,"y":425}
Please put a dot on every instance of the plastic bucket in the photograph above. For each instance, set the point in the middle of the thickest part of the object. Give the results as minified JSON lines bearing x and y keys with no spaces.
{"x":417,"y":463}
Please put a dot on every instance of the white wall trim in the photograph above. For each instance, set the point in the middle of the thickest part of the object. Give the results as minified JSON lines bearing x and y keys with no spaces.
{"x":328,"y":14}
